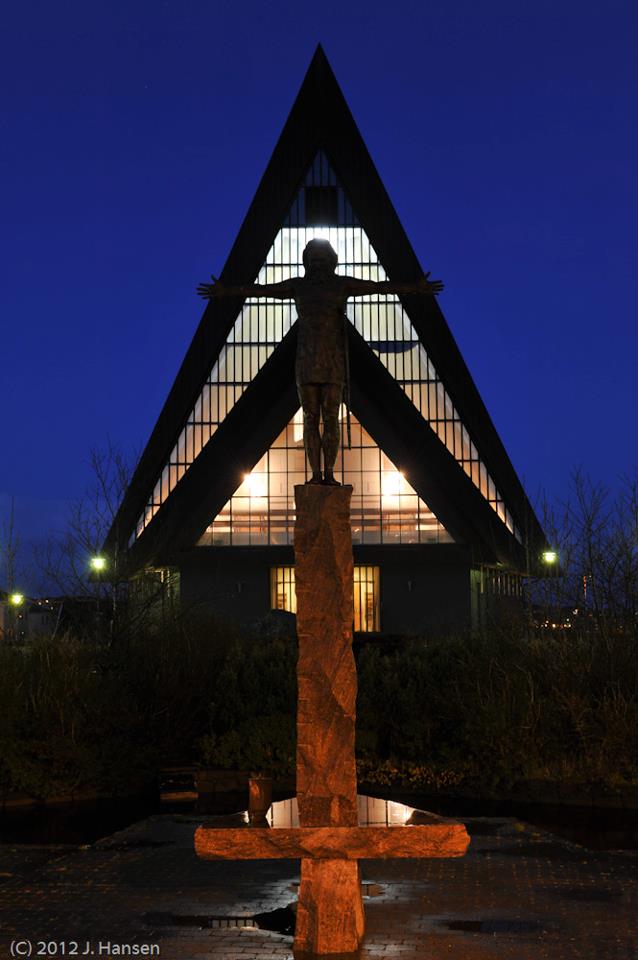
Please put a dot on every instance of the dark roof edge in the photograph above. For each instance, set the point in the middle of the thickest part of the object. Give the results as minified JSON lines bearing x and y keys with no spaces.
{"x":320,"y":117}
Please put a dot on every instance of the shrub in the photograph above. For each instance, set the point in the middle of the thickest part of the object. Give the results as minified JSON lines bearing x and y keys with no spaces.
{"x":500,"y":708}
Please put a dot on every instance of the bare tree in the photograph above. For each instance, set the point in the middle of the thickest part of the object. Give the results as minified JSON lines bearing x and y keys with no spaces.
{"x":64,"y":561}
{"x":595,"y":534}
{"x":9,"y":549}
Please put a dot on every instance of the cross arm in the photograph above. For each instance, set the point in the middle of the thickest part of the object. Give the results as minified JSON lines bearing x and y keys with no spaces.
{"x":444,"y":839}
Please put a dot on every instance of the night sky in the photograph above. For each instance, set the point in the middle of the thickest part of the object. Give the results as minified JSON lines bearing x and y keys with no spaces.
{"x":133,"y":138}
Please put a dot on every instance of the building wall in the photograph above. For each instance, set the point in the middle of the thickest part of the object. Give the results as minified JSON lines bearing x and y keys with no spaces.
{"x":231,"y":582}
{"x":422,"y":587}
{"x":32,"y":619}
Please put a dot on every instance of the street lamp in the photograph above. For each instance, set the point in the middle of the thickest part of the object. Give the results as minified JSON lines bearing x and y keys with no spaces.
{"x":16,"y":600}
{"x":98,"y":564}
{"x":550,"y":556}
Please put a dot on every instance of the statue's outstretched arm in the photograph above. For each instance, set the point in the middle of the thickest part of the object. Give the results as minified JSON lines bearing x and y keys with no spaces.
{"x":279,"y":291}
{"x":359,"y":288}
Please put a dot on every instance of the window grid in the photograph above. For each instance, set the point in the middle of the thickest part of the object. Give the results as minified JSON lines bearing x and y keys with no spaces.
{"x":384,"y":507}
{"x":366,"y":599}
{"x":499,"y":583}
{"x":381,"y":320}
{"x":366,"y":595}
{"x":283,"y":595}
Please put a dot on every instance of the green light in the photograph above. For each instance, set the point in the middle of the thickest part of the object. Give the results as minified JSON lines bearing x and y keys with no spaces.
{"x":98,"y":564}
{"x":550,"y":556}
{"x":16,"y":599}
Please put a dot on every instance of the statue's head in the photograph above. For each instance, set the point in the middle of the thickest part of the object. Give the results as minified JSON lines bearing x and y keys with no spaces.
{"x":319,"y":258}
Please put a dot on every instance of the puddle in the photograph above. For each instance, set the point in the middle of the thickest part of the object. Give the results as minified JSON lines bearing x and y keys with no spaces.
{"x":201,"y":922}
{"x":597,"y":828}
{"x":368,"y":889}
{"x":279,"y":921}
{"x":548,"y":851}
{"x":134,"y":843}
{"x":493,"y":926}
{"x":88,"y":821}
{"x":593,"y":895}
{"x":484,"y":828}
{"x":78,"y":823}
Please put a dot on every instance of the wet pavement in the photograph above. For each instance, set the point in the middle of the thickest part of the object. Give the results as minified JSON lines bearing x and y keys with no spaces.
{"x":520,"y":893}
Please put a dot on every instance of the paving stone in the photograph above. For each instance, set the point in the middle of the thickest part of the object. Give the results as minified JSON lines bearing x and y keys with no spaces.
{"x":519,"y":894}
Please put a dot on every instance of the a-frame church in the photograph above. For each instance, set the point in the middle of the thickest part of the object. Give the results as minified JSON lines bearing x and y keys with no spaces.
{"x":441,"y":525}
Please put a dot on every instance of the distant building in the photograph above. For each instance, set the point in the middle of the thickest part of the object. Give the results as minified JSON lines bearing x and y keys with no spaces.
{"x":440,"y":521}
{"x":23,"y":621}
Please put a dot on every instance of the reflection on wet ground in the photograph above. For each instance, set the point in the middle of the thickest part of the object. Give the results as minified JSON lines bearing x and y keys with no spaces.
{"x":597,"y":828}
{"x":493,"y":926}
{"x":85,"y":822}
{"x":520,"y":893}
{"x":373,"y":812}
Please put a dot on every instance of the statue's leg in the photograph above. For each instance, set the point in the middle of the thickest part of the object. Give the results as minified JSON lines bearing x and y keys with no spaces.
{"x":310,"y":399}
{"x":331,"y":396}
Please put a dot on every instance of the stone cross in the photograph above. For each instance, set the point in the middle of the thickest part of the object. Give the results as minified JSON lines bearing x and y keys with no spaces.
{"x":329,"y":841}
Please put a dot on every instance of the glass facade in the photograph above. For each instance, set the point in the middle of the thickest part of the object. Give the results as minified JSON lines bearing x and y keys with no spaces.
{"x":366,"y":615}
{"x":381,"y":320}
{"x":384,"y":508}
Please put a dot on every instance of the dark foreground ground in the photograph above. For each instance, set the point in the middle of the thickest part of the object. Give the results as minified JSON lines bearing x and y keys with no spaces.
{"x":519,"y":893}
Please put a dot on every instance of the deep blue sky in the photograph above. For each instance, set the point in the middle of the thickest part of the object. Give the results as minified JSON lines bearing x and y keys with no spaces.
{"x":132,"y":139}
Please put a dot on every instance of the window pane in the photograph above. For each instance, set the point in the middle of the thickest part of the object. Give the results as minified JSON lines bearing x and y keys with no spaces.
{"x":385,"y":508}
{"x":381,"y":320}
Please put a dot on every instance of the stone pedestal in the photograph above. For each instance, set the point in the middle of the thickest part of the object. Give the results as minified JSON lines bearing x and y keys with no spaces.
{"x":330,"y":917}
{"x":330,"y":908}
{"x":329,"y":842}
{"x":326,"y":672}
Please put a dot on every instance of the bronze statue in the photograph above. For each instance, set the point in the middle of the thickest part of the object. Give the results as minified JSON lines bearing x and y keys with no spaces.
{"x":321,"y":367}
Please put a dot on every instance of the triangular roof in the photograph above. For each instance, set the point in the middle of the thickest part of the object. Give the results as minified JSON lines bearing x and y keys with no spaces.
{"x":321,"y":120}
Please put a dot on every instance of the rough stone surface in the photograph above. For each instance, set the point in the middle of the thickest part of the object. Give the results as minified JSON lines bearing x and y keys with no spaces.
{"x":326,"y":672}
{"x":328,"y":843}
{"x":330,"y":908}
{"x":320,"y":929}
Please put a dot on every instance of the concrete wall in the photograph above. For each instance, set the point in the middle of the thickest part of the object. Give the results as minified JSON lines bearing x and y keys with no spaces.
{"x":231,"y":582}
{"x":422,"y":587}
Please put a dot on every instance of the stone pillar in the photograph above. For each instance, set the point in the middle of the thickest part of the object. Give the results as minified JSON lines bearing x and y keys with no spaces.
{"x":326,"y":673}
{"x":329,"y":842}
{"x":330,"y":909}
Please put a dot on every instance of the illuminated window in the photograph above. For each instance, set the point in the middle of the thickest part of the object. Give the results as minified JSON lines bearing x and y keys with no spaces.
{"x":381,"y":320}
{"x":384,"y":507}
{"x":366,"y":595}
{"x":282,"y":589}
{"x":366,"y":599}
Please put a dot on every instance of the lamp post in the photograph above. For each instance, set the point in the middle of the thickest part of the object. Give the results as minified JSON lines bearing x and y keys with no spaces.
{"x":16,"y":601}
{"x":98,"y":565}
